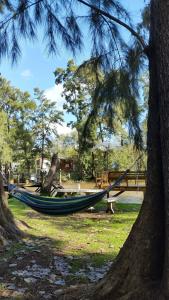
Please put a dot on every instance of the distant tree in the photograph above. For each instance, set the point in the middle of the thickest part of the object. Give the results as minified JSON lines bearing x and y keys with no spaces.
{"x":78,"y":86}
{"x":46,"y":117}
{"x":24,"y":145}
{"x":66,"y":145}
{"x":5,"y":149}
{"x":18,"y":107}
{"x":23,"y":141}
{"x":8,"y":101}
{"x":93,"y":122}
{"x":122,"y":157}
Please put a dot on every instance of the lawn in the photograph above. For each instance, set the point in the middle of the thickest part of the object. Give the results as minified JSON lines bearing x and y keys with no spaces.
{"x":62,"y":251}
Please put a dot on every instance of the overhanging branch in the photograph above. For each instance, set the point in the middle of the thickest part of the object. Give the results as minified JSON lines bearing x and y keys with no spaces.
{"x":100,"y":11}
{"x":116,"y":20}
{"x":2,"y":24}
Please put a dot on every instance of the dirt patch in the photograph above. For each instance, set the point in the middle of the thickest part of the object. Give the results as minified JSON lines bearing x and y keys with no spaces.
{"x":77,"y":216}
{"x":91,"y":216}
{"x":36,"y":215}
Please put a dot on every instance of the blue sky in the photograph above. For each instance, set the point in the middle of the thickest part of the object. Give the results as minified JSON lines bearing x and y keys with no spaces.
{"x":35,"y":68}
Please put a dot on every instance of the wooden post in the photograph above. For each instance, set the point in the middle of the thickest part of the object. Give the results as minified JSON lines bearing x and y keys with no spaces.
{"x":60,"y":176}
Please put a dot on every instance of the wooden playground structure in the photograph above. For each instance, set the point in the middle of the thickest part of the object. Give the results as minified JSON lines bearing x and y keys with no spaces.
{"x":134,"y":181}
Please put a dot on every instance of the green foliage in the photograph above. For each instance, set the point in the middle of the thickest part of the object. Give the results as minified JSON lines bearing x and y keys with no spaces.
{"x":26,"y":126}
{"x":5,"y":149}
{"x":24,"y":140}
{"x":66,"y":145}
{"x":45,"y":117}
{"x":102,"y":106}
{"x":18,"y":108}
{"x":78,"y":87}
{"x":144,"y":25}
{"x":116,"y":97}
{"x":124,"y":157}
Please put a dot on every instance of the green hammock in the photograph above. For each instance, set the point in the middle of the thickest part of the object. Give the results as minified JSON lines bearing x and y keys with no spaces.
{"x":62,"y":206}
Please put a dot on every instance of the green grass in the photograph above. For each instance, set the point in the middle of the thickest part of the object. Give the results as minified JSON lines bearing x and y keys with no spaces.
{"x":94,"y":237}
{"x":2,"y":287}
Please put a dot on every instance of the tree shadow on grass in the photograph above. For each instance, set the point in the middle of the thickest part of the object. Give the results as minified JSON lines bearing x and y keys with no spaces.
{"x":48,"y":269}
{"x":86,"y":221}
{"x":34,"y":268}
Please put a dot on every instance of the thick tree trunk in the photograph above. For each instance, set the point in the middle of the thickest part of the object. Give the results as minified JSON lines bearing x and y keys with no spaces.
{"x":46,"y":188}
{"x":161,"y":36}
{"x":138,"y":272}
{"x":141,"y":270}
{"x":8,"y":227}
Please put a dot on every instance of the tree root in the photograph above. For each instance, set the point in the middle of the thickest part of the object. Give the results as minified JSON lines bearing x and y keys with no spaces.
{"x":78,"y":292}
{"x":22,"y":224}
{"x":89,"y":292}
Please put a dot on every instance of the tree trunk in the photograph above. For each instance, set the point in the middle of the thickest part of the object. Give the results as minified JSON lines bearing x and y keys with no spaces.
{"x":8,"y":227}
{"x":141,"y":270}
{"x":46,"y":188}
{"x":93,"y":166}
{"x":42,"y":158}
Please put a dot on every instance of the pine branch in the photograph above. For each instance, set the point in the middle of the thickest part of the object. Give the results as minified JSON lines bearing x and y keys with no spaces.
{"x":2,"y":24}
{"x":69,"y":34}
{"x":113,"y":39}
{"x":102,"y":12}
{"x":116,"y":20}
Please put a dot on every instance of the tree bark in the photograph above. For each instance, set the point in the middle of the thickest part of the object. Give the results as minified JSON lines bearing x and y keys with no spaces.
{"x":93,"y":169}
{"x":161,"y":36}
{"x":141,"y":270}
{"x":46,"y":187}
{"x":42,"y":158}
{"x":8,"y":227}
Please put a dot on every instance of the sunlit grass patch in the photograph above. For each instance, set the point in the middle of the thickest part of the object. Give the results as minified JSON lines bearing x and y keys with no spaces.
{"x":2,"y":287}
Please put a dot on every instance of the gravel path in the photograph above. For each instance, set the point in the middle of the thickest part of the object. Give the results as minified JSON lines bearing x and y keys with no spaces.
{"x":131,"y":197}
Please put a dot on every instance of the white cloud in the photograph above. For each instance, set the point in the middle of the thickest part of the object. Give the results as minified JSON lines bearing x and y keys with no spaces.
{"x":26,"y":73}
{"x":63,"y":129}
{"x":54,"y":94}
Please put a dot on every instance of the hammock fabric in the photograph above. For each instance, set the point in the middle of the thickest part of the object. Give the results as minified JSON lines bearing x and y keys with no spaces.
{"x":61,"y":206}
